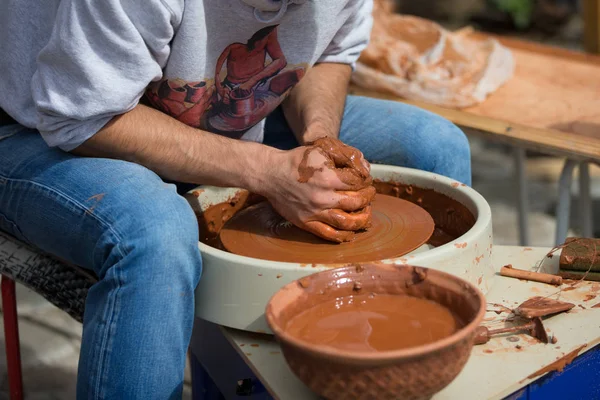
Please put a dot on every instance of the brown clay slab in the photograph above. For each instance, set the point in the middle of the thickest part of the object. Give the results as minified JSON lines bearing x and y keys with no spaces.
{"x":541,"y":307}
{"x":399,"y":227}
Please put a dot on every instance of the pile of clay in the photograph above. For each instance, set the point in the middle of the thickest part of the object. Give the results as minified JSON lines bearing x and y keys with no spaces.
{"x":451,"y":219}
{"x":417,"y":59}
{"x":374,"y":322}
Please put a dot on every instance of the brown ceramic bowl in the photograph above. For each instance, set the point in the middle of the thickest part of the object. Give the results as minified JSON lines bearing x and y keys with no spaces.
{"x":410,"y":373}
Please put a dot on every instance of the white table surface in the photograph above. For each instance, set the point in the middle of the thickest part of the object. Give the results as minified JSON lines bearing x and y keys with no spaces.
{"x":496,"y":369}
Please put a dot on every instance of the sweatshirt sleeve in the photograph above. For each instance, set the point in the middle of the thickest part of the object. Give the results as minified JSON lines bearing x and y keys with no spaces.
{"x":100,"y":58}
{"x":353,"y":36}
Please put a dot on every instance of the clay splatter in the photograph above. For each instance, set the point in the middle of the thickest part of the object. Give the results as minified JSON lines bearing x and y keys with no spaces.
{"x":97,"y":197}
{"x":559,"y":364}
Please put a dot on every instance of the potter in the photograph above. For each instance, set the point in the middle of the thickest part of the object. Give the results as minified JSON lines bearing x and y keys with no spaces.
{"x":226,"y":93}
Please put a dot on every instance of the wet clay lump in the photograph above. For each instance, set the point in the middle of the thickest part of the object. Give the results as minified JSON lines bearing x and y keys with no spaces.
{"x":339,"y":223}
{"x":398,"y":227}
{"x":370,"y":322}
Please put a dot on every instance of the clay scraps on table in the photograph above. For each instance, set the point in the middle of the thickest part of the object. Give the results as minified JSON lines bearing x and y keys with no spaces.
{"x":559,"y":364}
{"x":541,"y":307}
{"x":417,"y":59}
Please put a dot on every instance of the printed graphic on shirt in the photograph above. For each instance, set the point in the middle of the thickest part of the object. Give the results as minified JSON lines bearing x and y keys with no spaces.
{"x":251,"y":79}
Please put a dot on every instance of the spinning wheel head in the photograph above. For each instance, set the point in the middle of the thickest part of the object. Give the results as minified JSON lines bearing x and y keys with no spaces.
{"x":399,"y":227}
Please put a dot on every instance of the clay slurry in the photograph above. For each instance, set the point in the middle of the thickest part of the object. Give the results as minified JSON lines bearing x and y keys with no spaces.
{"x":398,"y":227}
{"x":369,"y":322}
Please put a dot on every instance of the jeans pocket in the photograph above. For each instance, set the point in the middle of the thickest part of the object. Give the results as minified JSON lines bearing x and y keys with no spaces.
{"x":11,"y":228}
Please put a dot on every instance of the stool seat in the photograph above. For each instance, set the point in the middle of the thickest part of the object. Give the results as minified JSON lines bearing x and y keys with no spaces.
{"x":60,"y":283}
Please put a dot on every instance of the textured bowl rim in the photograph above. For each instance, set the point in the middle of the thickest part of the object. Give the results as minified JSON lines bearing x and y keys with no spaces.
{"x":382,"y":356}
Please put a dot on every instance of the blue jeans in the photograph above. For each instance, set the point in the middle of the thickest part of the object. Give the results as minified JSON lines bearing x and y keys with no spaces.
{"x":140,"y":237}
{"x":395,"y":134}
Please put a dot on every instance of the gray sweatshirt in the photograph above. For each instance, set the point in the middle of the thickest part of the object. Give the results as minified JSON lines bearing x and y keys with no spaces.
{"x":68,"y":66}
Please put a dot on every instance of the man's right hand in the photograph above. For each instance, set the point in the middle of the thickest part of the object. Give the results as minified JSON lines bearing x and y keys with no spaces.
{"x":319,"y":192}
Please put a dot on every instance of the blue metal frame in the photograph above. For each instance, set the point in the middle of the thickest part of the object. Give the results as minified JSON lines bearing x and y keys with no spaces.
{"x":580,"y":380}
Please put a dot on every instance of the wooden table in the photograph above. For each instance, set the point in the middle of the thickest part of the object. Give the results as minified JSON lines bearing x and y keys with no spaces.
{"x":495,"y":370}
{"x":551,"y":105}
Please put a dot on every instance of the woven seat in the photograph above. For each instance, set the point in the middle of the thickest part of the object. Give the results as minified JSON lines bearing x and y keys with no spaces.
{"x":62,"y":284}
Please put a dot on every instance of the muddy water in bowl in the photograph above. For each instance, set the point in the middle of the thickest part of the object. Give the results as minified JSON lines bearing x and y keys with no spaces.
{"x":408,"y":340}
{"x":374,"y":322}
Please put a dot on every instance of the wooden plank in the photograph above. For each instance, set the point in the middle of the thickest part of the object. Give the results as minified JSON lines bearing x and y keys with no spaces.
{"x":548,"y":92}
{"x":591,"y":20}
{"x":548,"y":141}
{"x":552,"y":103}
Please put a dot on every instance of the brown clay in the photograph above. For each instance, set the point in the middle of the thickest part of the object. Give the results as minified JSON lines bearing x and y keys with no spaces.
{"x":346,"y":161}
{"x":211,"y":221}
{"x":580,"y":254}
{"x":452,"y":219}
{"x":398,"y":227}
{"x":541,"y":307}
{"x":370,"y":322}
{"x":411,"y":373}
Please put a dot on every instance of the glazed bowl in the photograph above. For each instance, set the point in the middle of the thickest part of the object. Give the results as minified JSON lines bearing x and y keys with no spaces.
{"x":412,"y":373}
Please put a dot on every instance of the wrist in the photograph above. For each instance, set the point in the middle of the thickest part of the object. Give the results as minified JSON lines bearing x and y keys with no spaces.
{"x":263,"y":162}
{"x":318,"y":130}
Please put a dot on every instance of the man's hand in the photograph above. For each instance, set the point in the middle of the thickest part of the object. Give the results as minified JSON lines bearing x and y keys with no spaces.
{"x":324,"y":188}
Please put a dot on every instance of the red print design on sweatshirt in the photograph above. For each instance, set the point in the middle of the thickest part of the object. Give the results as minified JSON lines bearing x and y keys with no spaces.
{"x":251,"y":79}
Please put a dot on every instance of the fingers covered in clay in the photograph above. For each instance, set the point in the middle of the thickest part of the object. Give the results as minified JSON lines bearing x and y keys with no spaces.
{"x":348,"y":163}
{"x":354,"y":201}
{"x":327,"y":232}
{"x":346,"y":221}
{"x":343,"y":155}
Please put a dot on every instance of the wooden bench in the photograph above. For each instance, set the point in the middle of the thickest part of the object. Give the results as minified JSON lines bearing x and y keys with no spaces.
{"x":552,"y":106}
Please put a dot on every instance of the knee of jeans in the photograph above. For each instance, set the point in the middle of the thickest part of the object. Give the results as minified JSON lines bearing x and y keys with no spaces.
{"x":160,"y":239}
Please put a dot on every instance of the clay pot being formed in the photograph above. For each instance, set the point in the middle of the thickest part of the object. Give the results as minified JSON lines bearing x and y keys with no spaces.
{"x":409,"y":373}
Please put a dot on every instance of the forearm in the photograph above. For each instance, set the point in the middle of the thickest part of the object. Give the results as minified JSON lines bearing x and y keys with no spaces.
{"x":315,"y":106}
{"x":178,"y":152}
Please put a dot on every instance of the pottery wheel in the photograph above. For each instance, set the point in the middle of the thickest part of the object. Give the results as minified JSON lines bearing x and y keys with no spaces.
{"x":399,"y":227}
